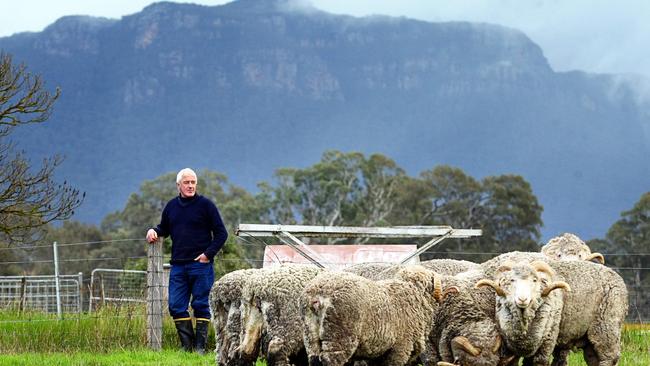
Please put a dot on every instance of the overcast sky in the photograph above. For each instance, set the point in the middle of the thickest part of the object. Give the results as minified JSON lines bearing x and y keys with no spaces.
{"x":592,"y":35}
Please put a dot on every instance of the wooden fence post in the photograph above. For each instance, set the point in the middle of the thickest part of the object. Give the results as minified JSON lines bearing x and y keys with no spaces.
{"x":23,"y":293}
{"x":155,"y":286}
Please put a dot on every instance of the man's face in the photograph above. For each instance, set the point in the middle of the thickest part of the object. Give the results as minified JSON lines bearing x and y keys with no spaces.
{"x":187,"y":186}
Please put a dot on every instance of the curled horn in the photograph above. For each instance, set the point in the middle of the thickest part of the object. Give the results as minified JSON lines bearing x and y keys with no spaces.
{"x":494,"y":285}
{"x":437,"y":289}
{"x":443,"y":363}
{"x":555,"y":285}
{"x":450,"y":290}
{"x":542,"y":267}
{"x":497,"y":344}
{"x":465,"y":344}
{"x":598,"y":257}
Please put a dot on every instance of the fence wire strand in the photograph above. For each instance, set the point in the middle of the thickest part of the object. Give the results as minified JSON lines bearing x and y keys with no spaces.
{"x":639,"y":295}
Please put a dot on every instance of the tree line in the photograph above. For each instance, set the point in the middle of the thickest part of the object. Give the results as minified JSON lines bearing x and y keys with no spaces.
{"x":343,"y":188}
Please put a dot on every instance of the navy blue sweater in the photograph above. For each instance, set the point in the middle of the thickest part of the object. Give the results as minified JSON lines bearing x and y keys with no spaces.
{"x":195,"y":227}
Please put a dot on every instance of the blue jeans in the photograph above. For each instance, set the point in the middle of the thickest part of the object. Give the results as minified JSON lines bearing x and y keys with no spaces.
{"x":187,"y":279}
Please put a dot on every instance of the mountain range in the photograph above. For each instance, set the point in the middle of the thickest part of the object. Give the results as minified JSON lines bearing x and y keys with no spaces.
{"x":254,"y":85}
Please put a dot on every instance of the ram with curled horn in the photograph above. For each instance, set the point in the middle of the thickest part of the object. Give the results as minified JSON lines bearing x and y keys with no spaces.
{"x":504,"y":267}
{"x":528,"y":311}
{"x":545,"y":268}
{"x":569,"y":247}
{"x":464,"y":344}
{"x":464,"y":331}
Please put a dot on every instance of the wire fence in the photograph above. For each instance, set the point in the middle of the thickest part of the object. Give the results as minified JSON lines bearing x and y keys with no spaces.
{"x":116,"y":286}
{"x":102,"y":280}
{"x":38,"y":293}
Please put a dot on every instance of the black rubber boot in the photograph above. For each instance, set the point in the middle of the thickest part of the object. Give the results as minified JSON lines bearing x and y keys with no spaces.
{"x":201,"y":339}
{"x":185,"y":333}
{"x":201,"y":335}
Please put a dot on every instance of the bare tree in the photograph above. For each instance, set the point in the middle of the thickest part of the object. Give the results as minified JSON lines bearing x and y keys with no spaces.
{"x":29,"y":198}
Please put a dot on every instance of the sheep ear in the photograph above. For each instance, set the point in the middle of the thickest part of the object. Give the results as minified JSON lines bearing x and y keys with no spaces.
{"x":598,"y":257}
{"x":465,"y":344}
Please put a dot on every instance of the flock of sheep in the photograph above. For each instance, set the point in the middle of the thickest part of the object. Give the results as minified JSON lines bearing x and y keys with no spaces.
{"x":535,"y":306}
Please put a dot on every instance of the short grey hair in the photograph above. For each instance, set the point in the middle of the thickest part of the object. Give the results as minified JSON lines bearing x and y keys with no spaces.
{"x":184,"y":172}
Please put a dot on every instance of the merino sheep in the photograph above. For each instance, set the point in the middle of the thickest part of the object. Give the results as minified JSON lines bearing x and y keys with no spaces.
{"x":528,"y":311}
{"x":383,"y":271}
{"x":449,"y":266}
{"x":593,"y":312}
{"x":270,"y":314}
{"x":373,"y":270}
{"x":225,"y":298}
{"x":464,"y":331}
{"x":570,"y":247}
{"x":350,"y":317}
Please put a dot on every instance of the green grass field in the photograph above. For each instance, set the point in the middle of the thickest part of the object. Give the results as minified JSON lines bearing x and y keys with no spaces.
{"x":135,"y":357}
{"x":636,"y":347}
{"x":117,"y":337}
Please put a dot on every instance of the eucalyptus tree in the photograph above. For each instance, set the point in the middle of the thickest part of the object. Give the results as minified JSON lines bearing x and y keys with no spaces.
{"x":504,"y":207}
{"x":342,"y":189}
{"x":628,"y":243}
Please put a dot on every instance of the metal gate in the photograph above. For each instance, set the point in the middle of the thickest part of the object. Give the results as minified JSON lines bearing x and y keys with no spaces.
{"x":39,"y":293}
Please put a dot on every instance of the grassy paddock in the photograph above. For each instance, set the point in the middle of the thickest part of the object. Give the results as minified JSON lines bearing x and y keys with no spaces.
{"x":107,"y":330}
{"x":117,"y":336}
{"x":139,"y":357}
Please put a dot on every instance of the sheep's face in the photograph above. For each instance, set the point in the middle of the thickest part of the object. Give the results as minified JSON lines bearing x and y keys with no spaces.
{"x":568,"y":247}
{"x":252,"y":322}
{"x":567,"y":251}
{"x":522,"y":285}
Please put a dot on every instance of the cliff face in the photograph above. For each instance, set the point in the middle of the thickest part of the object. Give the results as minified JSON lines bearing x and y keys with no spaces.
{"x":251,"y":86}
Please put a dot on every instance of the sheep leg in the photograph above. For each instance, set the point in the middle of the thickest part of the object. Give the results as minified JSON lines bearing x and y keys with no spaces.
{"x":590,"y":356}
{"x":429,"y":356}
{"x":337,"y":353}
{"x":560,"y":357}
{"x":594,"y":357}
{"x":396,"y":357}
{"x":277,"y":353}
{"x":604,"y":334}
{"x":604,"y":346}
{"x":543,"y":355}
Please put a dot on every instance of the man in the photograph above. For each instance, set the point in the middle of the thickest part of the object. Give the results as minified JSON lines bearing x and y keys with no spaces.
{"x":197,"y":234}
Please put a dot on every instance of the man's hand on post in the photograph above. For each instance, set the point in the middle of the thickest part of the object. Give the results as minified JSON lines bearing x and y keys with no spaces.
{"x":152,"y":236}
